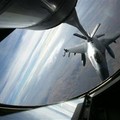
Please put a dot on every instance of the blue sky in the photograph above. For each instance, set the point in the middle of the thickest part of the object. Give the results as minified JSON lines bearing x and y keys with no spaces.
{"x":27,"y":61}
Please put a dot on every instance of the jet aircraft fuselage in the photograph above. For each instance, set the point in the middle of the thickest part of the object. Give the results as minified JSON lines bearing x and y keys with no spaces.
{"x":96,"y":54}
{"x":95,"y":49}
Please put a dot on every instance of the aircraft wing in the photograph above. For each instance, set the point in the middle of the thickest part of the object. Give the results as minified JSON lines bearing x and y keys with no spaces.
{"x":108,"y":41}
{"x":82,"y":48}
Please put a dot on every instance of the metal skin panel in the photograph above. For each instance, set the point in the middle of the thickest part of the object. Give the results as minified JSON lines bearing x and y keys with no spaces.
{"x":35,"y":14}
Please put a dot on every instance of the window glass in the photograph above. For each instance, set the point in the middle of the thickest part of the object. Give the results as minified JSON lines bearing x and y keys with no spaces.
{"x":33,"y":70}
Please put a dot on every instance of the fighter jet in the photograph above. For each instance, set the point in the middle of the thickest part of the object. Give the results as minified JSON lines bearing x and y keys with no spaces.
{"x":94,"y":47}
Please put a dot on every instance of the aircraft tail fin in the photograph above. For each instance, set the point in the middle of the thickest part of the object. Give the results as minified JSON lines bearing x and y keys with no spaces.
{"x":110,"y":51}
{"x":95,"y":30}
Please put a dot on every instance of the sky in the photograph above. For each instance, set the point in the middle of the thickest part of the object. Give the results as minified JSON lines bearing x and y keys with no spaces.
{"x":33,"y":70}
